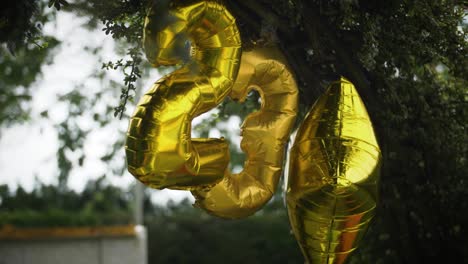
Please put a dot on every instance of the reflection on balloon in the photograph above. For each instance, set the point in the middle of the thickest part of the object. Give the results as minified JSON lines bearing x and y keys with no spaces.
{"x":333,"y":176}
{"x":264,"y":135}
{"x":160,"y":151}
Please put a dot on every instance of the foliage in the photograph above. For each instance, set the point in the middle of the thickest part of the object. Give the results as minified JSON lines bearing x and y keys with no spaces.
{"x":188,"y":235}
{"x":18,"y":23}
{"x":130,"y":78}
{"x":23,"y":51}
{"x":58,"y":3}
{"x":18,"y":72}
{"x":49,"y":205}
{"x":122,"y":20}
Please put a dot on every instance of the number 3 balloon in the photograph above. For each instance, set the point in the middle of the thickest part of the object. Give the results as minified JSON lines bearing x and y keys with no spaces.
{"x":161,"y":153}
{"x":264,"y":134}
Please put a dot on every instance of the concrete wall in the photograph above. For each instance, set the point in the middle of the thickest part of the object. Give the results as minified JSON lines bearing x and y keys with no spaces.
{"x":99,"y":249}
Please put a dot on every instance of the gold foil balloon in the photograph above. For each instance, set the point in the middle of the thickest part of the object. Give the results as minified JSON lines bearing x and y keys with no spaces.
{"x":264,"y":134}
{"x":333,"y":176}
{"x":160,"y":151}
{"x":332,"y":185}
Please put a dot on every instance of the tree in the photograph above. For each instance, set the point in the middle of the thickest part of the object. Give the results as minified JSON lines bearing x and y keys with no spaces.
{"x":407,"y":60}
{"x":22,"y":55}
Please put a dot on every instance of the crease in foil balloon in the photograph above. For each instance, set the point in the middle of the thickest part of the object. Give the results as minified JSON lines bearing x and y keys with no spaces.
{"x":159,"y":148}
{"x":333,"y":176}
{"x":264,"y":135}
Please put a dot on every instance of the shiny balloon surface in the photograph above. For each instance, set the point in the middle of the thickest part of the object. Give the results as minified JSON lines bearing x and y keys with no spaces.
{"x":333,"y":176}
{"x":160,"y":151}
{"x":159,"y":148}
{"x":264,"y":135}
{"x":334,"y":162}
